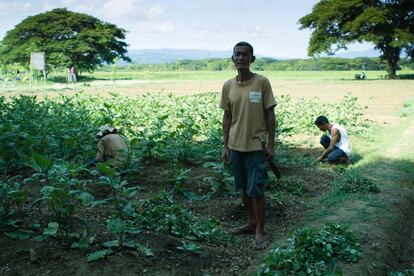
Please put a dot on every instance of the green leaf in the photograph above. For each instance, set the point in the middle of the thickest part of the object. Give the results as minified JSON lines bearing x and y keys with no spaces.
{"x":51,"y":229}
{"x":40,"y":160}
{"x":47,"y":190}
{"x":83,"y":243}
{"x":100,"y":202}
{"x":113,"y":243}
{"x":195,"y":197}
{"x":29,"y":180}
{"x":116,"y":226}
{"x":144,"y":249}
{"x":97,"y":255}
{"x":129,"y":210}
{"x":104,"y":168}
{"x":86,"y":198}
{"x":39,"y":238}
{"x":20,"y":234}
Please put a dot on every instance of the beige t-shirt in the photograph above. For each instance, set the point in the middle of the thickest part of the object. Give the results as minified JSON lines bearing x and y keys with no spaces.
{"x":247,"y":102}
{"x":112,"y":146}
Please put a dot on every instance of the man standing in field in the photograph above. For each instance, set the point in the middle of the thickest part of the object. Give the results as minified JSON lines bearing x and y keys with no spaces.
{"x":249,"y":119}
{"x":336,"y":143}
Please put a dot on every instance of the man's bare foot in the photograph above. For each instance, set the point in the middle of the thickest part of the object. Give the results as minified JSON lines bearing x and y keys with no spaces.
{"x":244,"y":230}
{"x":261,"y":242}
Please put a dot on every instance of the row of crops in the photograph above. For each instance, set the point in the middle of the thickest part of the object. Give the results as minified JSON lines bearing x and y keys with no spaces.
{"x":185,"y":128}
{"x":45,"y":146}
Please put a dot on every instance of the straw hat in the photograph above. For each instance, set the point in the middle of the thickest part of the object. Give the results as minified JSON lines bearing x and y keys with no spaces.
{"x":105,"y":129}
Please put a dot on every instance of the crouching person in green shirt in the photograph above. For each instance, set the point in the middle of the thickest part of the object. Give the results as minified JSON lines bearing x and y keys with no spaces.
{"x":248,"y":103}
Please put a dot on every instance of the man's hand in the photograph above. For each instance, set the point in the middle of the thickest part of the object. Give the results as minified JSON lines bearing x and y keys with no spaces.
{"x":226,"y":155}
{"x":320,"y":159}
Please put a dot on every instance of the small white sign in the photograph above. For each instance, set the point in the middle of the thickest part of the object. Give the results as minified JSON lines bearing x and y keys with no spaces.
{"x":37,"y":61}
{"x":255,"y":96}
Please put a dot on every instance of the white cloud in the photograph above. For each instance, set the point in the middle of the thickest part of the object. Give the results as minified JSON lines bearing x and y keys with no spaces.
{"x":7,"y":8}
{"x":85,"y":7}
{"x":47,"y":6}
{"x":165,"y":27}
{"x":68,"y":3}
{"x":26,"y":6}
{"x":155,"y":11}
{"x":119,"y":8}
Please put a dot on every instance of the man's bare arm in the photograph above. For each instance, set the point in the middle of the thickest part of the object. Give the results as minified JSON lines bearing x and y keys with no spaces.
{"x":226,"y":130}
{"x":336,"y":136}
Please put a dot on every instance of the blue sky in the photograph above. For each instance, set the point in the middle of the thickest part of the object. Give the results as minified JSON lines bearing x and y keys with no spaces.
{"x":270,"y":25}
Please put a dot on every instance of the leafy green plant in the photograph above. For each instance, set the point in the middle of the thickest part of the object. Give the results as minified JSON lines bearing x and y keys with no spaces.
{"x":162,"y":214}
{"x":222,"y":180}
{"x":122,"y":221}
{"x":177,"y":178}
{"x":121,"y":194}
{"x":293,"y":184}
{"x":312,"y":252}
{"x":62,"y":195}
{"x":408,"y":109}
{"x":189,"y":246}
{"x":407,"y":272}
{"x":11,"y":195}
{"x":276,"y":199}
{"x":62,"y":206}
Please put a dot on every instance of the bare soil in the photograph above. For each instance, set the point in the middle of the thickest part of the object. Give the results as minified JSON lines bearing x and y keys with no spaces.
{"x":54,"y":257}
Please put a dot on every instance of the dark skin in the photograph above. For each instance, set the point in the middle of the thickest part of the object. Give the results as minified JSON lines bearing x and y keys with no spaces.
{"x":255,"y":208}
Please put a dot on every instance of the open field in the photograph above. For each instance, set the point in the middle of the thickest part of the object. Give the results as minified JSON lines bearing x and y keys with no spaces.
{"x":177,"y":146}
{"x":383,"y":97}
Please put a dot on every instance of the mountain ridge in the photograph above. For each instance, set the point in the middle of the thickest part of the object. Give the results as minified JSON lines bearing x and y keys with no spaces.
{"x":168,"y":55}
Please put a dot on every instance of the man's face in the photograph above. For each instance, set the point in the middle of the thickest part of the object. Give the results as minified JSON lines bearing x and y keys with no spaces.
{"x":323,"y":127}
{"x":242,"y":57}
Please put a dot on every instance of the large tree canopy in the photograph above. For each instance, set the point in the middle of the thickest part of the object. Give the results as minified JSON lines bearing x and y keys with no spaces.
{"x":388,"y":24}
{"x":66,"y":38}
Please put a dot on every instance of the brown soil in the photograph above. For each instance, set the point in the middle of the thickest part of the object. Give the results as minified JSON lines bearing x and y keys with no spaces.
{"x":53,"y":257}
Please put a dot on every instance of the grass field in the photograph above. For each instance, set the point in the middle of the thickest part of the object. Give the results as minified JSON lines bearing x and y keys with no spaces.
{"x":373,"y":196}
{"x":383,"y":97}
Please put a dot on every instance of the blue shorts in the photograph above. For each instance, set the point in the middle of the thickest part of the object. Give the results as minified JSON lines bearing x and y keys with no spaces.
{"x":249,"y":171}
{"x":335,"y":155}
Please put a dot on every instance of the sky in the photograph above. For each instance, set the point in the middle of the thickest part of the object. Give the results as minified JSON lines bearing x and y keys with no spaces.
{"x":269,"y":25}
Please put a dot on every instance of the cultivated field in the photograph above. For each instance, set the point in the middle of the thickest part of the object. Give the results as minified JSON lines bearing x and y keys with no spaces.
{"x":171,"y":210}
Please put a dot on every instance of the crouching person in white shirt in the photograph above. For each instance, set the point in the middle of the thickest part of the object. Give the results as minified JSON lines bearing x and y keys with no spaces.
{"x":335,"y":141}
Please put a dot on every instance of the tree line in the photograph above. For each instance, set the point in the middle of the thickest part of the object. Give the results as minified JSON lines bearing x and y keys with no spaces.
{"x":269,"y":64}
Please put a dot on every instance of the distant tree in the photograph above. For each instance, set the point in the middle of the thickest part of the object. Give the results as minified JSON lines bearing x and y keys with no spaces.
{"x":388,"y":24}
{"x":66,"y":38}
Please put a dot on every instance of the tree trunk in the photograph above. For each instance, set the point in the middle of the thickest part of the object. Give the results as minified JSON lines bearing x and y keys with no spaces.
{"x":392,"y":55}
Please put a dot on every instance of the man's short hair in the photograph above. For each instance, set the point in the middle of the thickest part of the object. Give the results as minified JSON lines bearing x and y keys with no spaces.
{"x":244,"y":43}
{"x":321,"y":120}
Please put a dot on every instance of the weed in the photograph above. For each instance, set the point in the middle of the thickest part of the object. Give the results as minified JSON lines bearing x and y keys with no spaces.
{"x":312,"y":252}
{"x":408,"y":109}
{"x":11,"y":195}
{"x":162,"y":214}
{"x":353,"y":181}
